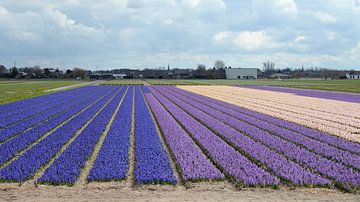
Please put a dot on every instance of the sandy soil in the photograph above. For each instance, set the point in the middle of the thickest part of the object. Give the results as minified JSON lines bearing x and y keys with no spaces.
{"x":205,"y":191}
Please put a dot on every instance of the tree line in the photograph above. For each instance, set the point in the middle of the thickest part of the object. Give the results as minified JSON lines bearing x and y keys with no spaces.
{"x":38,"y":72}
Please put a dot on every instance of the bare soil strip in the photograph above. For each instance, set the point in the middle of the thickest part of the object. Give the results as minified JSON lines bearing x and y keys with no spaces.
{"x":90,"y":162}
{"x":130,"y":179}
{"x":207,"y":191}
{"x":74,"y":86}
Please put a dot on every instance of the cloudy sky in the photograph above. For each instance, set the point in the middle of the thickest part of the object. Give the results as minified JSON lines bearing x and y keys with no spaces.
{"x":149,"y":33}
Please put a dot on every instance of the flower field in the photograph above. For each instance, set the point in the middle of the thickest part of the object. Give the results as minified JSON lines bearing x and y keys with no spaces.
{"x":251,"y":137}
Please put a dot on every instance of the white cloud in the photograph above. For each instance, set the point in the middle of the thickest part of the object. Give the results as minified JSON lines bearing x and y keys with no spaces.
{"x":126,"y":35}
{"x":325,"y":18}
{"x":61,"y":19}
{"x":300,"y":38}
{"x":3,"y":11}
{"x":330,"y":35}
{"x":221,"y":37}
{"x":254,"y":40}
{"x":285,"y":6}
{"x":24,"y":36}
{"x":184,"y":32}
{"x":191,"y":3}
{"x":214,"y":4}
{"x":275,"y":8}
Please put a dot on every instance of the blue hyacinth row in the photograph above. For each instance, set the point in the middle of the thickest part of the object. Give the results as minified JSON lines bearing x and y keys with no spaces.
{"x":152,"y":162}
{"x":112,"y":162}
{"x":66,"y":168}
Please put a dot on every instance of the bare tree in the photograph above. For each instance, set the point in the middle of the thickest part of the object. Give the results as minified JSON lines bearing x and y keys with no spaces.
{"x":268,"y":68}
{"x":219,"y":64}
{"x":200,"y":72}
{"x":201,"y":67}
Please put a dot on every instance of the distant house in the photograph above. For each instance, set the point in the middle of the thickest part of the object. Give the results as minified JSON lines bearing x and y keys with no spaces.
{"x":53,"y":73}
{"x":101,"y":75}
{"x":241,"y":73}
{"x":182,"y":74}
{"x":353,"y":75}
{"x":279,"y":76}
{"x":119,"y":76}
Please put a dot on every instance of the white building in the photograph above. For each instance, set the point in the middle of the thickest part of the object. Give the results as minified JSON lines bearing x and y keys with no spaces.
{"x":119,"y":76}
{"x":241,"y":73}
{"x":353,"y":75}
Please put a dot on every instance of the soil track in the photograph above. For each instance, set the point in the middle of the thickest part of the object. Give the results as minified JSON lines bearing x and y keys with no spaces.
{"x":74,"y":86}
{"x":203,"y":191}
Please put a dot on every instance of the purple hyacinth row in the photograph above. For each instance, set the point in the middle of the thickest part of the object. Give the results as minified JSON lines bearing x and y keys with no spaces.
{"x":10,"y":148}
{"x":152,"y":162}
{"x":331,"y":95}
{"x":308,"y":159}
{"x":66,"y":168}
{"x":18,"y":106}
{"x":33,"y":109}
{"x":25,"y":166}
{"x":312,"y":145}
{"x":277,"y":163}
{"x":232,"y":162}
{"x":39,"y":118}
{"x":308,"y":132}
{"x":112,"y":162}
{"x":190,"y":159}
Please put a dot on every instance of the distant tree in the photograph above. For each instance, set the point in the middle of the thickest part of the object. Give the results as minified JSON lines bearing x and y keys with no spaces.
{"x":78,"y":72}
{"x":201,"y":67}
{"x":14,"y":72}
{"x":268,"y":68}
{"x":68,"y":71}
{"x":286,"y":70}
{"x":219,"y":64}
{"x":200,"y":71}
{"x":37,"y":71}
{"x":68,"y":74}
{"x":47,"y":72}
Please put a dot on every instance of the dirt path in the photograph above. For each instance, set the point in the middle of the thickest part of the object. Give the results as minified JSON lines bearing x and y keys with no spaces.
{"x":74,"y":86}
{"x":219,"y":191}
{"x":146,"y":83}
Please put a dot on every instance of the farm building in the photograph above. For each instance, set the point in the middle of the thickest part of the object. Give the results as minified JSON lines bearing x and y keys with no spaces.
{"x":119,"y":76}
{"x":353,"y":75}
{"x":241,"y":73}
